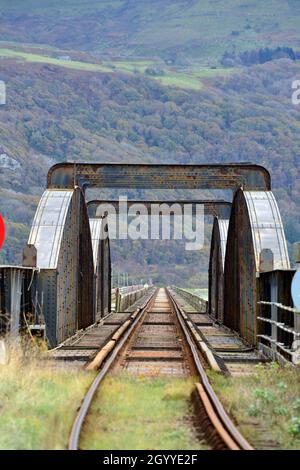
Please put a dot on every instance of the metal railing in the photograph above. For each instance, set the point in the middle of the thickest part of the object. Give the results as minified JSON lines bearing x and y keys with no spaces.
{"x":278,"y":322}
{"x":124,"y":297}
{"x":280,"y":340}
{"x":194,"y":300}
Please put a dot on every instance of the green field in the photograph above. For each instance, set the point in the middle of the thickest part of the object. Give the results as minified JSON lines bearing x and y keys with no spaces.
{"x":188,"y":80}
{"x":43,"y":59}
{"x":185,"y":38}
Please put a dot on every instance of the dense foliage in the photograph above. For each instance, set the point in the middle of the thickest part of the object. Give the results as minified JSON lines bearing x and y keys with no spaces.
{"x":258,"y":56}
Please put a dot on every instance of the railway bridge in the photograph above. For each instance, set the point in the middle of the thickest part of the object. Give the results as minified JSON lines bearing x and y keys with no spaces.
{"x":64,"y":283}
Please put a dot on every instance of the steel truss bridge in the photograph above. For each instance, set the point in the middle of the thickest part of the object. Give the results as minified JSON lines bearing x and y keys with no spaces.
{"x":64,"y":282}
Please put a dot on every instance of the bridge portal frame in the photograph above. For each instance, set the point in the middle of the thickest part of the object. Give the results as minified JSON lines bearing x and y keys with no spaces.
{"x":236,"y":177}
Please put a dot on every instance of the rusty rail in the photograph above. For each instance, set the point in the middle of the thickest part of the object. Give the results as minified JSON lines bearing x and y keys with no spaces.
{"x":220,"y":423}
{"x":83,"y":411}
{"x":218,"y":427}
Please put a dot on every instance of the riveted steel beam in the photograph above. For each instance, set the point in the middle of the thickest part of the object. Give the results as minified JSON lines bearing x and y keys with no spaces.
{"x":255,"y":226}
{"x":102,"y":267}
{"x":159,"y":176}
{"x":217,"y":208}
{"x":216,"y":268}
{"x":60,"y":246}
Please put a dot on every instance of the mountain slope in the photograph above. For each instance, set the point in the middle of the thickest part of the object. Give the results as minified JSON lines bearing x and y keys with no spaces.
{"x":175,"y":30}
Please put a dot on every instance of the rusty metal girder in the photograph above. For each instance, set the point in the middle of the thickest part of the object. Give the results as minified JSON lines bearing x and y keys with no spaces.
{"x":255,"y":226}
{"x":159,"y":176}
{"x":60,"y":234}
{"x":217,"y":208}
{"x":216,"y":268}
{"x":102,"y":267}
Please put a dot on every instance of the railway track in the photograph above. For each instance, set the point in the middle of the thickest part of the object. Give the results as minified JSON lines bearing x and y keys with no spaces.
{"x":230,"y":353}
{"x":158,"y":342}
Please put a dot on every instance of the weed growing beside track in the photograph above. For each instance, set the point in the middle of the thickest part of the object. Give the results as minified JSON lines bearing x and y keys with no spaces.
{"x":266,"y":405}
{"x":38,"y":402}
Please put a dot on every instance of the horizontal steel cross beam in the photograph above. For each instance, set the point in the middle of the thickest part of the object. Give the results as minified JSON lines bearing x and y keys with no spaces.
{"x":217,"y":208}
{"x":159,"y":176}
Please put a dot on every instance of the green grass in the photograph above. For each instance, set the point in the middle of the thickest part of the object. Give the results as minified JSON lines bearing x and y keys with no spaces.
{"x":204,"y":72}
{"x":38,"y":404}
{"x":25,"y":46}
{"x":187,"y":78}
{"x":170,"y":79}
{"x":180,"y":80}
{"x":133,"y":65}
{"x":37,"y":58}
{"x":265,"y":405}
{"x":134,"y":413}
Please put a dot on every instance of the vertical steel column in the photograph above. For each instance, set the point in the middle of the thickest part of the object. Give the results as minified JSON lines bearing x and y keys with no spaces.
{"x":216,"y":268}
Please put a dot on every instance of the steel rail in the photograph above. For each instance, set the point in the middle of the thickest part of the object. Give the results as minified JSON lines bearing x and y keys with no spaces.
{"x":220,"y":421}
{"x":84,"y":408}
{"x":214,"y":400}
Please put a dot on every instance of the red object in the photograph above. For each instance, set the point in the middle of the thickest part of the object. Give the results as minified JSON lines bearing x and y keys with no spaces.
{"x":2,"y":231}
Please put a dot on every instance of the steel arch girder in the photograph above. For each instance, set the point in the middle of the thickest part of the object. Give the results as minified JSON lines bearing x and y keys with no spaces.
{"x":255,"y":226}
{"x":216,"y":268}
{"x":61,"y":236}
{"x":102,"y":267}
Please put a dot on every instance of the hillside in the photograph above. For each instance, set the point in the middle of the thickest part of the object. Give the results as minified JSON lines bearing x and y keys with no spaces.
{"x":180,"y":31}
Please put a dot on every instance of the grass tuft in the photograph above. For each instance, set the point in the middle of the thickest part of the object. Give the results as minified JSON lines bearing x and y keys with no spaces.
{"x":38,"y":402}
{"x":265,"y":405}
